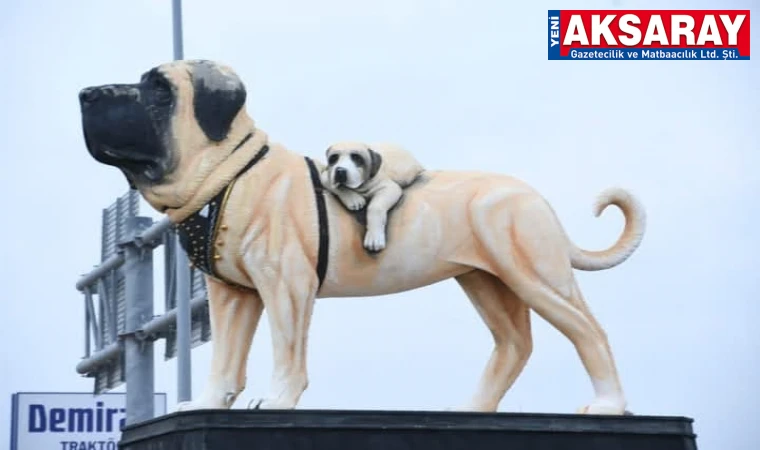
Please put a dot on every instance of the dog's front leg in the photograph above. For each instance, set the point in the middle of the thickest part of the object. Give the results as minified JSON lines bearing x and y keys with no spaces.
{"x":288,"y":299}
{"x":234,"y":317}
{"x":377,"y":215}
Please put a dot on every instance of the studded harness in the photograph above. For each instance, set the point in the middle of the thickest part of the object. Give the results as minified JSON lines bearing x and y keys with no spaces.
{"x":198,"y":232}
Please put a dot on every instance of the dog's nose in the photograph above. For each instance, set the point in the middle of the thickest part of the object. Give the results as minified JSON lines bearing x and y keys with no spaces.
{"x":89,"y":95}
{"x":340,"y":175}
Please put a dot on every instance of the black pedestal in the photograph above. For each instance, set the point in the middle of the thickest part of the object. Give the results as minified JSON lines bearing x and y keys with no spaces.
{"x":397,"y":430}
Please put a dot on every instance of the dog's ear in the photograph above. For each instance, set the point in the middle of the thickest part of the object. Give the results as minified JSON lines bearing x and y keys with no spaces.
{"x":131,"y":183}
{"x":375,"y":161}
{"x":218,"y":97}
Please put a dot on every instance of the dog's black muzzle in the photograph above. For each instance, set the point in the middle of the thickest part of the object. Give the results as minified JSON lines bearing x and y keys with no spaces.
{"x":341,"y":175}
{"x":125,"y":126}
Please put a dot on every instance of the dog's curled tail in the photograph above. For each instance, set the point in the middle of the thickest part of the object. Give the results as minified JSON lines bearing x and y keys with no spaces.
{"x":629,"y":240}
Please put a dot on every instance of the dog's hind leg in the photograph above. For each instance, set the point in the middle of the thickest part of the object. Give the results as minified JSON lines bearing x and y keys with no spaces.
{"x":509,"y":321}
{"x":533,"y":260}
{"x":234,"y":316}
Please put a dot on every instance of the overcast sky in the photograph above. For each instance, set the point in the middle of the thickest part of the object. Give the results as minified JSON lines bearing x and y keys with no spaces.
{"x":464,"y":85}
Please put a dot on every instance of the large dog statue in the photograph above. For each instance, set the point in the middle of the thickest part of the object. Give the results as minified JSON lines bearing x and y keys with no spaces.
{"x":253,"y":215}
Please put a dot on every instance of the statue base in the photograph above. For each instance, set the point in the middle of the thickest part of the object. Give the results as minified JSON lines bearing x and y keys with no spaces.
{"x":384,"y":430}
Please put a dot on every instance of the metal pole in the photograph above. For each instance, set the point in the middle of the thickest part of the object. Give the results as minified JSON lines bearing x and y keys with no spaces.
{"x":182,"y":290}
{"x":177,"y":19}
{"x":160,"y":325}
{"x":182,"y":293}
{"x":138,"y":355}
{"x":87,"y":301}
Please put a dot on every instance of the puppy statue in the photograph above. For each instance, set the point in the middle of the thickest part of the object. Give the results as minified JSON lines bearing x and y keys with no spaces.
{"x":374,"y":176}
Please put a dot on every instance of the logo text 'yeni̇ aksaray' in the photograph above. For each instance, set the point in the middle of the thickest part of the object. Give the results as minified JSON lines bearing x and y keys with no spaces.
{"x":649,"y":34}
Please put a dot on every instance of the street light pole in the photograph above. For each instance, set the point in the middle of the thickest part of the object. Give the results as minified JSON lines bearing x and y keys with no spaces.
{"x":182,"y":289}
{"x":177,"y":20}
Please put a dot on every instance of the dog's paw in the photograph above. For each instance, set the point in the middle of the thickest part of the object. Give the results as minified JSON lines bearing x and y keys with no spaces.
{"x":187,"y":406}
{"x":604,"y":407}
{"x":267,"y":403}
{"x":354,"y":202}
{"x":255,"y":403}
{"x":209,"y":400}
{"x":195,"y":405}
{"x":374,"y":241}
{"x":460,"y":408}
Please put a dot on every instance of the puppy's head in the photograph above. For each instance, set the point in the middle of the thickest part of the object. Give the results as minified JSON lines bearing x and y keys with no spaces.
{"x":351,"y":164}
{"x":167,"y":132}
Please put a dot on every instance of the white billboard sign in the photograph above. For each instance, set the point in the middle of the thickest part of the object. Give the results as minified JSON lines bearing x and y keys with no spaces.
{"x":70,"y":420}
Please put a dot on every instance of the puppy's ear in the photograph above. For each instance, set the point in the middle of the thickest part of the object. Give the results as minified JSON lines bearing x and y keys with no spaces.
{"x":375,"y":161}
{"x":218,"y":98}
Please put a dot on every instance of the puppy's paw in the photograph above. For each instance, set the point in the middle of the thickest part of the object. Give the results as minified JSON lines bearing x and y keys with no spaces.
{"x":374,"y":241}
{"x":353,"y":201}
{"x":357,"y":204}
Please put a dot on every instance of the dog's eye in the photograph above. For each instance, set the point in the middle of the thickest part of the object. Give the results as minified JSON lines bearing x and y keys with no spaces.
{"x":156,"y":81}
{"x":160,"y":89}
{"x":159,"y":83}
{"x":357,"y":159}
{"x":332,"y":159}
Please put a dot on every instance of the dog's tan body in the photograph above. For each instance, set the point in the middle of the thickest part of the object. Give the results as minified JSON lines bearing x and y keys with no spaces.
{"x":493,"y":233}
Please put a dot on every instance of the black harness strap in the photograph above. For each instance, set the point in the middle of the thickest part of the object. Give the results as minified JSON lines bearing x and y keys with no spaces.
{"x":197,"y":233}
{"x":324,"y":232}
